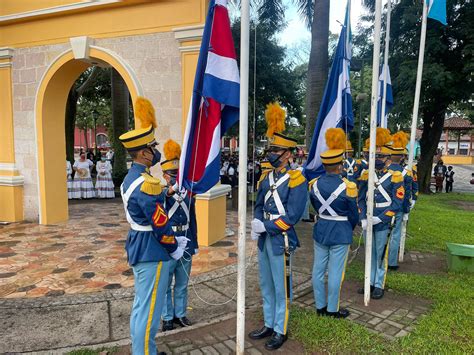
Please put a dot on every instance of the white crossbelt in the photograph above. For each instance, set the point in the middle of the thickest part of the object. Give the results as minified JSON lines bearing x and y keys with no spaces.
{"x":382,"y":191}
{"x":179,"y":198}
{"x":125,"y":197}
{"x":404,"y":172}
{"x":326,"y":204}
{"x":350,"y":167}
{"x":273,"y":192}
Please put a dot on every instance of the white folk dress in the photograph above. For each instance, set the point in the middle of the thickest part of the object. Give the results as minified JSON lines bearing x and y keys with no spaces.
{"x":69,"y":179}
{"x":104,"y":183}
{"x":82,"y":186}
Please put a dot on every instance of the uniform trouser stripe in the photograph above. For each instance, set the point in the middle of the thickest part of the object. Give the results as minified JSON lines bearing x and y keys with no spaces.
{"x":152,"y":307}
{"x":286,"y":281}
{"x":385,"y":261}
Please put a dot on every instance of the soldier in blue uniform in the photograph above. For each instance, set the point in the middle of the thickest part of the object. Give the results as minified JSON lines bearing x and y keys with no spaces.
{"x":362,"y":163}
{"x":397,"y":151}
{"x":150,"y":243}
{"x":350,"y":167}
{"x":389,"y":194}
{"x":180,"y":207}
{"x":281,"y":199}
{"x":335,"y":200}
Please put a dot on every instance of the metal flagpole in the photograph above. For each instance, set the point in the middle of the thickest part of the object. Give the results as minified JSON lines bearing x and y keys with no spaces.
{"x":243,"y":138}
{"x":383,"y":121}
{"x":419,"y":74}
{"x":373,"y":127}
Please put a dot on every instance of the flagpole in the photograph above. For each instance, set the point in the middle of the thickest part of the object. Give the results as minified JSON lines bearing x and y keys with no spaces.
{"x":383,"y":121}
{"x":416,"y":104}
{"x":373,"y":127}
{"x":243,"y":138}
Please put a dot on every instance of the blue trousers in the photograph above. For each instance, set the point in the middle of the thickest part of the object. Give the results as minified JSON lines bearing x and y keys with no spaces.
{"x":273,"y":285}
{"x":395,"y":240}
{"x":151,"y":282}
{"x":332,"y":258}
{"x":378,"y":269}
{"x":181,"y":270}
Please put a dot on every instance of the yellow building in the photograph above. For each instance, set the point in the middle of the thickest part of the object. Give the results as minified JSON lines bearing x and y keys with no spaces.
{"x":45,"y":45}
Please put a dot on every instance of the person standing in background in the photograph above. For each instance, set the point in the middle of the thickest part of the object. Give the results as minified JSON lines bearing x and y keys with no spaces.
{"x":449,"y":179}
{"x":69,"y":179}
{"x":439,"y":172}
{"x":104,"y":183}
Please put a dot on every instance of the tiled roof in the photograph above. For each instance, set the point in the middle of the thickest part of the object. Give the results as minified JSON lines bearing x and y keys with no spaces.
{"x":458,"y":123}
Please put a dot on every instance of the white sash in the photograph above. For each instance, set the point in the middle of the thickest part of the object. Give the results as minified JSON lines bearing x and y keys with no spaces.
{"x":125,"y":197}
{"x":326,"y":204}
{"x":381,"y":190}
{"x":273,"y":192}
{"x":179,"y":198}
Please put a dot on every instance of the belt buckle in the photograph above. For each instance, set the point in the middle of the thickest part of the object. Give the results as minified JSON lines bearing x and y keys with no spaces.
{"x":179,"y":228}
{"x":267,"y":215}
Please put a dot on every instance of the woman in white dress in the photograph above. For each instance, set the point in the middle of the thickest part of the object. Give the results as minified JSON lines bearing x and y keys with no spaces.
{"x":82,"y":186}
{"x":69,"y":179}
{"x":104,"y":183}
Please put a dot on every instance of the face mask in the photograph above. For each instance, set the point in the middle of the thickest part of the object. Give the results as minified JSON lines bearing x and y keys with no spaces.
{"x":172,"y":180}
{"x":103,"y":158}
{"x":156,"y":156}
{"x":274,"y":159}
{"x":379,"y":163}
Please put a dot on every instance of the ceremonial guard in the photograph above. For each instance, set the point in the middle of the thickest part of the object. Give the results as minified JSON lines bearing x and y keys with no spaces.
{"x":281,"y":199}
{"x":150,"y":242}
{"x":180,"y":207}
{"x":335,"y":200}
{"x":389,"y":195}
{"x":350,"y":167}
{"x":397,"y":150}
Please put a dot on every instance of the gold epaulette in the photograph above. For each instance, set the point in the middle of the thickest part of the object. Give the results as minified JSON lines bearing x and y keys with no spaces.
{"x":351,"y":188}
{"x":358,"y":161}
{"x":396,"y":176}
{"x":151,"y":185}
{"x":311,"y":183}
{"x":262,"y":177}
{"x":409,"y":173}
{"x":415,"y":168}
{"x":364,"y":176}
{"x":296,"y":178}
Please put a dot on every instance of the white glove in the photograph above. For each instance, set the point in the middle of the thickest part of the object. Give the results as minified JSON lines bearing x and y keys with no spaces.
{"x":364,"y":224}
{"x":405,"y":217}
{"x":412,"y":204}
{"x":196,"y":251}
{"x":178,"y":253}
{"x":254,"y":235}
{"x":258,"y":226}
{"x":376,"y":220}
{"x":182,"y":242}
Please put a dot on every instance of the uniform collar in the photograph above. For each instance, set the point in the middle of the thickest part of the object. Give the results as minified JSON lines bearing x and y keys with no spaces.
{"x":139,"y":168}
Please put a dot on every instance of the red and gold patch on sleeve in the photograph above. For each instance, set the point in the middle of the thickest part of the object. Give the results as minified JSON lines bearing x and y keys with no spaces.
{"x":159,"y":216}
{"x":400,"y":192}
{"x":168,"y":239}
{"x":282,"y":225}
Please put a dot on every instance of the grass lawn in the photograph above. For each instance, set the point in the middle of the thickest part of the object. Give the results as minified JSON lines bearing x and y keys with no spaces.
{"x":447,"y":329}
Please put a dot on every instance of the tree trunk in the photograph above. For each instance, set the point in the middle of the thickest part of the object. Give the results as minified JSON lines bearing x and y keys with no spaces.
{"x":433,"y":123}
{"x":70,"y":124}
{"x":120,"y":97}
{"x":317,"y":66}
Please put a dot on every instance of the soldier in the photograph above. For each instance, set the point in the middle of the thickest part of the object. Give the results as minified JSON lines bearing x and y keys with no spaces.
{"x":150,"y":242}
{"x":180,"y":207}
{"x":389,"y":194}
{"x":335,"y":200}
{"x":281,"y":199}
{"x":350,"y":167}
{"x":362,"y":163}
{"x":397,"y":151}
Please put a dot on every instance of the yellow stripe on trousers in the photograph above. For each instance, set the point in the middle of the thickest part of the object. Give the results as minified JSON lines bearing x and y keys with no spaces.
{"x":287,"y":300}
{"x":385,"y":262}
{"x":342,"y":278}
{"x":152,"y":307}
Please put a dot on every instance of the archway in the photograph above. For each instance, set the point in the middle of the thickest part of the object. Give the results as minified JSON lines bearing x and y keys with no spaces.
{"x":50,"y":109}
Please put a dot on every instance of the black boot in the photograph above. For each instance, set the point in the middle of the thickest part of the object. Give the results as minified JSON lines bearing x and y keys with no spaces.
{"x":394,"y":268}
{"x":342,"y":313}
{"x":167,"y":325}
{"x":322,"y":311}
{"x":276,"y":341}
{"x":182,"y":322}
{"x":377,"y":293}
{"x":360,"y":291}
{"x":261,"y":333}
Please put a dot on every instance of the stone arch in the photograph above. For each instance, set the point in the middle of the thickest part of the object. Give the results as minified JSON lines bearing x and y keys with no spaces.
{"x":50,"y":107}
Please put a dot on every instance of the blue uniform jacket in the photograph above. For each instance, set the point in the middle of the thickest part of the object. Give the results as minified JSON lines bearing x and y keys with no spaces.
{"x":329,"y":232}
{"x":179,"y":218}
{"x":414,"y":186}
{"x":393,"y":186}
{"x":350,"y":174}
{"x":362,"y":165}
{"x":407,"y":184}
{"x":293,"y":194}
{"x":147,"y":209}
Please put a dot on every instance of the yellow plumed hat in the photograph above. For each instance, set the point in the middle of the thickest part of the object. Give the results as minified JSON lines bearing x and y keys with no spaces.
{"x":145,"y":119}
{"x":383,"y":137}
{"x":275,"y":116}
{"x":172,"y":152}
{"x":366,"y":145}
{"x":349,"y":146}
{"x":265,"y":165}
{"x":336,"y":142}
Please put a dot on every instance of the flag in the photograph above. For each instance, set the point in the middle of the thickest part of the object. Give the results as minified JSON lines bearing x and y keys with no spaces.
{"x":382,"y":120}
{"x":437,"y":10}
{"x":214,"y":104}
{"x":336,"y":105}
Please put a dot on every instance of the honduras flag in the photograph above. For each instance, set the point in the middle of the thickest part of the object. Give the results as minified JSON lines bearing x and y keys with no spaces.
{"x":382,"y":120}
{"x":214,"y":104}
{"x":437,"y":10}
{"x":336,"y":106}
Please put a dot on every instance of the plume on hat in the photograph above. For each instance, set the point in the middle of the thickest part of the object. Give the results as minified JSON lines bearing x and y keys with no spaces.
{"x":275,"y":116}
{"x":348,"y":145}
{"x":400,"y":139}
{"x":383,"y":136}
{"x":335,"y":138}
{"x":145,"y":112}
{"x":172,"y":150}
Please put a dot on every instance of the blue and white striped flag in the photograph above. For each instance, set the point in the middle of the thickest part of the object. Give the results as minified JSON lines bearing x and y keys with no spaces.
{"x":336,"y":106}
{"x":437,"y":10}
{"x":382,"y":121}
